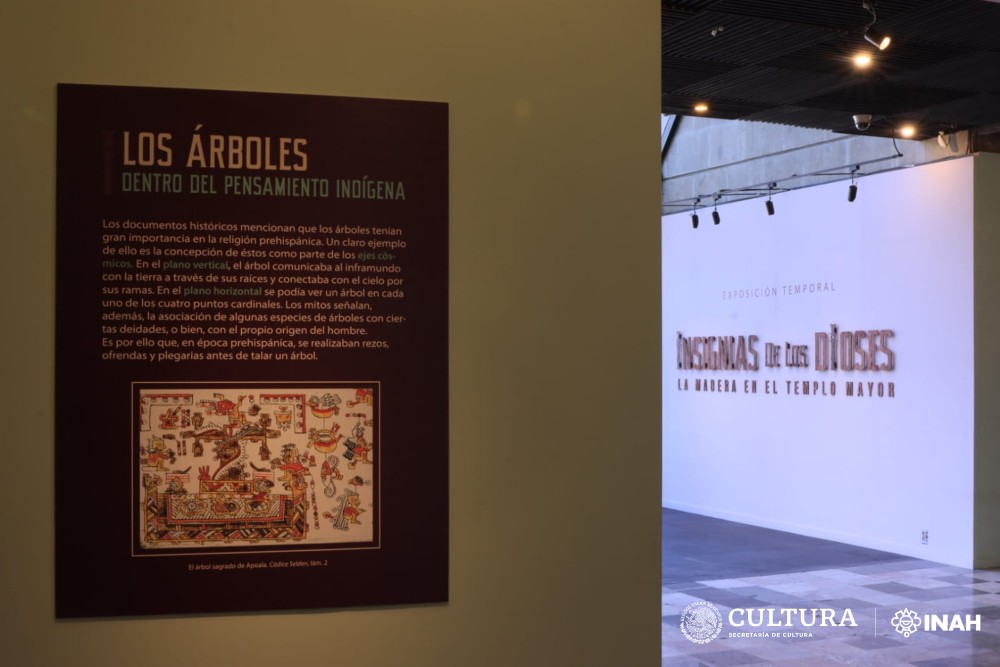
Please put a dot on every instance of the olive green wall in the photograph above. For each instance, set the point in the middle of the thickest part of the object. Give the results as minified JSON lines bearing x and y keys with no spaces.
{"x":554,"y":316}
{"x":986,"y":272}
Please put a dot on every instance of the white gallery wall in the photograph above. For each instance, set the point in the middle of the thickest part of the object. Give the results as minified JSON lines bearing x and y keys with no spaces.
{"x":891,"y":471}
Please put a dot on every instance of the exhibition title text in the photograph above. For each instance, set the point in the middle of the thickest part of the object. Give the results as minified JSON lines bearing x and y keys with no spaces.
{"x":217,"y":151}
{"x":276,"y":166}
{"x":857,"y":350}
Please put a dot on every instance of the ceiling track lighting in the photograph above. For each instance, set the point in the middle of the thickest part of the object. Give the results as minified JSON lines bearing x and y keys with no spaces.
{"x":852,"y":171}
{"x":716,"y":218}
{"x":852,"y":191}
{"x":878,"y":40}
{"x":694,"y":213}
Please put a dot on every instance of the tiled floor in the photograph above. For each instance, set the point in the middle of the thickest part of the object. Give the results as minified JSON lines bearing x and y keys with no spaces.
{"x":734,"y":566}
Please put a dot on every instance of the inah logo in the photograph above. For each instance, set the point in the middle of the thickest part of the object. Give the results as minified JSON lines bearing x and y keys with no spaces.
{"x":906,"y":622}
{"x":701,"y":622}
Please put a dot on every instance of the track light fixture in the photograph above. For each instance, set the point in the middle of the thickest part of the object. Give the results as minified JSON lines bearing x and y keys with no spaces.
{"x":769,"y":205}
{"x":852,"y":191}
{"x":694,"y":213}
{"x":878,"y":40}
{"x":716,"y":218}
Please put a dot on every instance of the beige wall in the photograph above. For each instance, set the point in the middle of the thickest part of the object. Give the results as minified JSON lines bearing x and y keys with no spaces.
{"x":986,"y":240}
{"x":554,"y":304}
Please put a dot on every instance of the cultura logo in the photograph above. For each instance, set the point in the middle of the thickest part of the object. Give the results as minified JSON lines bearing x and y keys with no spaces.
{"x":906,"y":622}
{"x":787,"y":617}
{"x":701,"y":622}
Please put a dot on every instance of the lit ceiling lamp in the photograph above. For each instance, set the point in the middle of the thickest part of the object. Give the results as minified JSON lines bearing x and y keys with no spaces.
{"x":907,"y":131}
{"x":700,"y":107}
{"x":879,"y":41}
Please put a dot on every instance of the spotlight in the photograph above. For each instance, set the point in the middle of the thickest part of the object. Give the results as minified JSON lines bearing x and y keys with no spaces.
{"x":879,"y":41}
{"x":942,"y":142}
{"x":852,"y":192}
{"x":716,"y":218}
{"x":694,"y":220}
{"x":769,"y":205}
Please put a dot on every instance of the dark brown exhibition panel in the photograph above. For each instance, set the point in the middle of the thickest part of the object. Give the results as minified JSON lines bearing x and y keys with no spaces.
{"x":251,"y":353}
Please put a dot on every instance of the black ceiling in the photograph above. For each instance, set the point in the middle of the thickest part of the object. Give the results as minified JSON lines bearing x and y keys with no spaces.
{"x":790,"y":62}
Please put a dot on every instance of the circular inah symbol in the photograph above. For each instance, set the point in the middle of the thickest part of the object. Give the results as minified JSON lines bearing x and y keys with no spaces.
{"x":906,"y":622}
{"x":701,"y":622}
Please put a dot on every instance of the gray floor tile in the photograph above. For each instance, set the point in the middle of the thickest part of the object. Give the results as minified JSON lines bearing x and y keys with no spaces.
{"x":732,"y":565}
